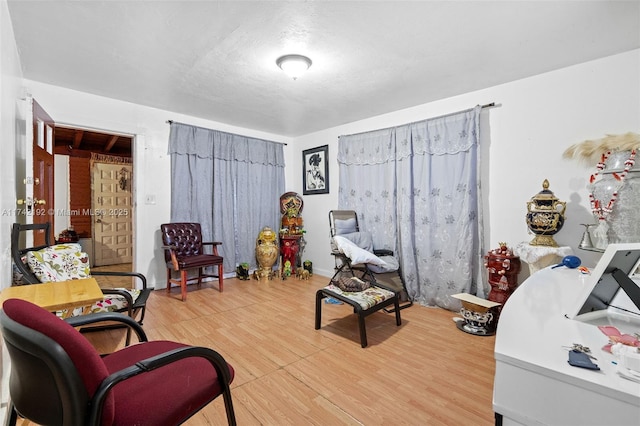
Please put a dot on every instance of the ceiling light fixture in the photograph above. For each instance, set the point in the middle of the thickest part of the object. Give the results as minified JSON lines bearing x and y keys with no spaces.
{"x":293,"y":65}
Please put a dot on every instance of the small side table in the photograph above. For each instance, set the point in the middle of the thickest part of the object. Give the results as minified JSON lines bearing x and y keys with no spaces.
{"x":57,"y":296}
{"x":539,"y":257}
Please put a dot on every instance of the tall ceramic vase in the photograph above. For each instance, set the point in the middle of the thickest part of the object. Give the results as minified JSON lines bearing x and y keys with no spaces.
{"x":266,"y":252}
{"x":622,"y":224}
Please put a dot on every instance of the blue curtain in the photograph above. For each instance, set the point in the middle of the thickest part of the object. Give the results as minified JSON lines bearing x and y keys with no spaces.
{"x":230,"y":184}
{"x":416,"y":188}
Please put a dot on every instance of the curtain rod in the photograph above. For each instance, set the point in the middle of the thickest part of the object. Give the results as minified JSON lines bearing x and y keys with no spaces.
{"x":489,"y":105}
{"x":251,"y":137}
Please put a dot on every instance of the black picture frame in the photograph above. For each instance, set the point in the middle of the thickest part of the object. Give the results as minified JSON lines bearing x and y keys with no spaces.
{"x":315,"y":170}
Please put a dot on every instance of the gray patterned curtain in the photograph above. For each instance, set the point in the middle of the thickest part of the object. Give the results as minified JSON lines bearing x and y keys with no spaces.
{"x":416,"y":188}
{"x":230,"y":184}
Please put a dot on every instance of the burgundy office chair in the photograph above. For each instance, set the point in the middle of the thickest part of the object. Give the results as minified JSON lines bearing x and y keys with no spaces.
{"x":184,"y":250}
{"x":57,"y":376}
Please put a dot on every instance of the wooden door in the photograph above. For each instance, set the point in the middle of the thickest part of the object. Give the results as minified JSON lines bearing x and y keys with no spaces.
{"x":112,"y":222}
{"x":37,"y":205}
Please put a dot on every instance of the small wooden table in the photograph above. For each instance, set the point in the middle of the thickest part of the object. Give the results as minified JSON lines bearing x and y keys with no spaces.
{"x":57,"y":296}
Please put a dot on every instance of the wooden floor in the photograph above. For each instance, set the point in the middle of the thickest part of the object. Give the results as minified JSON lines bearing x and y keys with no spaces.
{"x":425,"y":372}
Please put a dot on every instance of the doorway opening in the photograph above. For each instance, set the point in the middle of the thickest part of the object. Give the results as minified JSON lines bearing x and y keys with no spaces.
{"x":93,"y":192}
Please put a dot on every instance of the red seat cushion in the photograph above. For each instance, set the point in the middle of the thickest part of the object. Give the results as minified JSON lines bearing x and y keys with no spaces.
{"x":199,"y":261}
{"x":160,"y":396}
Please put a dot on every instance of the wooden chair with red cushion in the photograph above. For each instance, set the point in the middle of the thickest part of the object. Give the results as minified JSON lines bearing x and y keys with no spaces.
{"x":184,"y":251}
{"x":58,"y":377}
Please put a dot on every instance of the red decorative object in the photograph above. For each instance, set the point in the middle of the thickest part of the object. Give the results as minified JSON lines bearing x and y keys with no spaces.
{"x":289,"y":247}
{"x":291,"y":233}
{"x":68,"y":236}
{"x":503,"y":267}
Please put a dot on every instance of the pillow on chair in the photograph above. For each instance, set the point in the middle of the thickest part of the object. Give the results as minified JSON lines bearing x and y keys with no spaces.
{"x":355,"y":253}
{"x":345,"y":226}
{"x":64,"y":262}
{"x":364,"y":240}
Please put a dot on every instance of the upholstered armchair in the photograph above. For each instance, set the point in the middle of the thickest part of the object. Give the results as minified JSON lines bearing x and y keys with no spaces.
{"x":58,"y":377}
{"x":185,"y":251}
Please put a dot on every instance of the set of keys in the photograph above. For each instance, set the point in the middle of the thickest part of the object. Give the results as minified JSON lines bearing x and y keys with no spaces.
{"x":580,"y":356}
{"x":581,"y":348}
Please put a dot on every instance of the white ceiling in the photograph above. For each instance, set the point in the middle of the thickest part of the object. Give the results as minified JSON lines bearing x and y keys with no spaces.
{"x":216,"y":59}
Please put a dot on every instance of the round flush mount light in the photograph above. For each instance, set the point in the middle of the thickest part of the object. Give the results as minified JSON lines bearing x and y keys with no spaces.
{"x":293,"y":65}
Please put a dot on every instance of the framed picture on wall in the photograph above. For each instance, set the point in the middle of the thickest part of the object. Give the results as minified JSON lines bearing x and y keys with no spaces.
{"x":315,"y":171}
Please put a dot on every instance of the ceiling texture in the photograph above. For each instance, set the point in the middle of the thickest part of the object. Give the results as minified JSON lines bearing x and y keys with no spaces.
{"x":217,"y":59}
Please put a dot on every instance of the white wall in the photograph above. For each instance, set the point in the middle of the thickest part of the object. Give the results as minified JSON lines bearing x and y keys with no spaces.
{"x":151,"y":162}
{"x":523,"y":139}
{"x":11,"y":135}
{"x":61,"y":193}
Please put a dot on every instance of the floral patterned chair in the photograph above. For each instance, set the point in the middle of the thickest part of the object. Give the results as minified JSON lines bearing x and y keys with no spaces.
{"x":63,"y":262}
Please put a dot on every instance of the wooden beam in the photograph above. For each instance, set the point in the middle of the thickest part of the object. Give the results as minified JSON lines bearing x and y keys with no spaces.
{"x":77,"y":138}
{"x":111,"y":143}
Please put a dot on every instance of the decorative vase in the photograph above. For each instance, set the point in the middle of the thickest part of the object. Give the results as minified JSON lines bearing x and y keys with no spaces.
{"x":503,"y":268}
{"x":545,"y":216}
{"x":614,"y":188}
{"x":266,"y":253}
{"x":622,"y":220}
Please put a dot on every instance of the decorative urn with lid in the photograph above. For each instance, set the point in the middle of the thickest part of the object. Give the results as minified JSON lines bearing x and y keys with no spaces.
{"x":545,"y":216}
{"x":266,"y":253}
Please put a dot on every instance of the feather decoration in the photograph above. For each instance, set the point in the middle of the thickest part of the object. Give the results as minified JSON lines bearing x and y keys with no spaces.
{"x":590,"y":151}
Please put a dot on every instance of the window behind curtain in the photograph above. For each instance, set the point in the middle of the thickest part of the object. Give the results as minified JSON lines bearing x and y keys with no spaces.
{"x":416,"y":188}
{"x":230,"y":184}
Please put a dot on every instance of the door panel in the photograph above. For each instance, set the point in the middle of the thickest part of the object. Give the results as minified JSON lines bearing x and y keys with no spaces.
{"x":37,"y":205}
{"x":112,"y":222}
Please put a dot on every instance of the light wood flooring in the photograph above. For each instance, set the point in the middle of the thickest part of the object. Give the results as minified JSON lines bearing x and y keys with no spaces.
{"x":425,"y":372}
